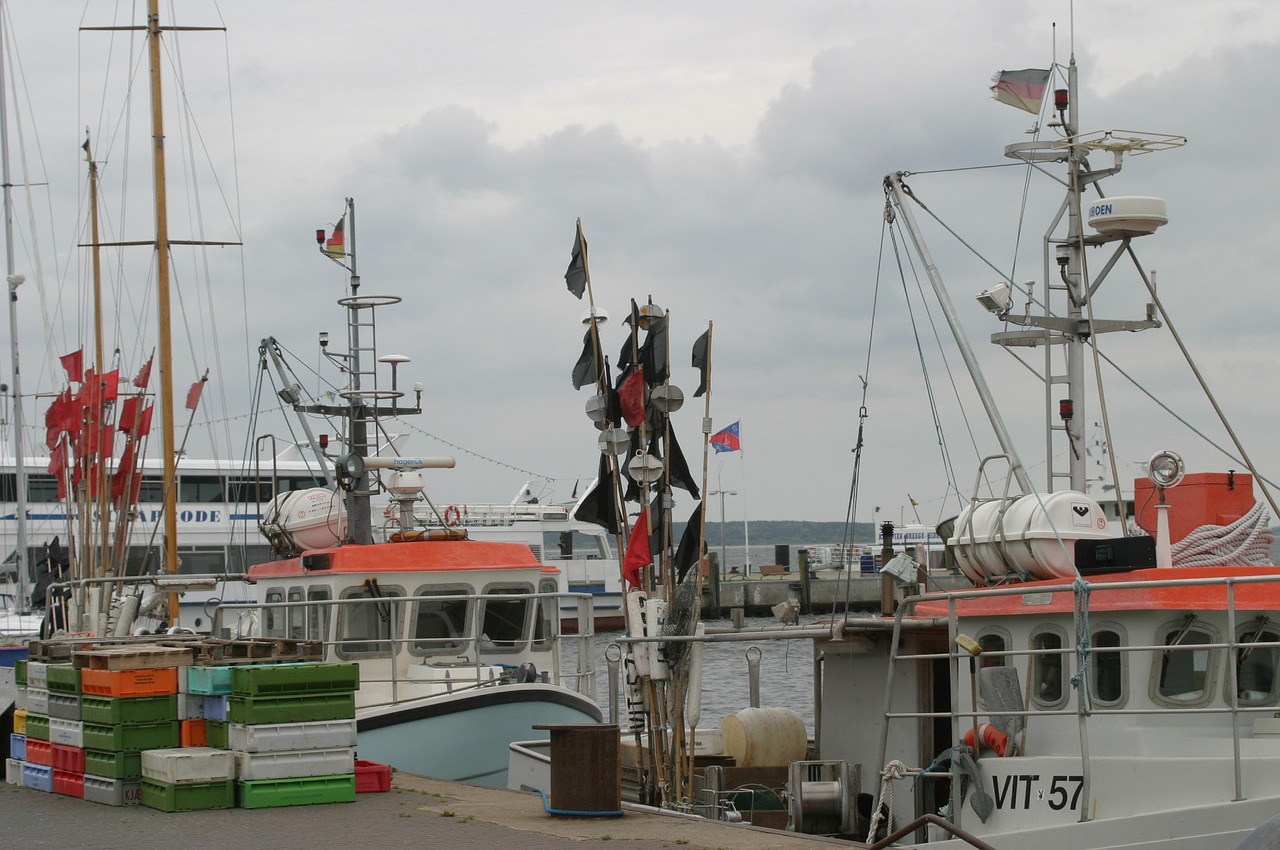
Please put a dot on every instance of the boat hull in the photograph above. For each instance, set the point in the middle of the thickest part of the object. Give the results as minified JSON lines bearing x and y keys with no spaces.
{"x":464,"y":737}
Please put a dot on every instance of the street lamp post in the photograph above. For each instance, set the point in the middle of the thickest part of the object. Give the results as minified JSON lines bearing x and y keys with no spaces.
{"x":722,"y":494}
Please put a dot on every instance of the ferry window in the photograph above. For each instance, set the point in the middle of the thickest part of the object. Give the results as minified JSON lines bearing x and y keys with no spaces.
{"x":1107,"y":670}
{"x":366,"y":627}
{"x":42,"y":488}
{"x":1184,"y":667}
{"x":318,"y":613}
{"x":151,"y":491}
{"x":441,"y":625}
{"x":1256,"y":663}
{"x":1047,"y":680}
{"x":273,"y":617}
{"x":546,"y":618}
{"x":202,"y":561}
{"x":8,"y":487}
{"x":993,"y":640}
{"x":296,"y":615}
{"x":200,"y":488}
{"x":288,"y":485}
{"x":503,"y":621}
{"x":247,"y":491}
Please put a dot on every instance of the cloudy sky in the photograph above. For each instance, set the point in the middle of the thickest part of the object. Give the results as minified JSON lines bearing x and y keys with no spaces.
{"x":726,"y":159}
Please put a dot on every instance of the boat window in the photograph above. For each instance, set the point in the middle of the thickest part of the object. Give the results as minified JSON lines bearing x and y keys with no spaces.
{"x":993,"y":639}
{"x":288,"y":485}
{"x":441,"y":625}
{"x":1107,"y":670}
{"x":1184,"y":668}
{"x":297,"y":615}
{"x":503,"y":621}
{"x":42,"y":488}
{"x":248,"y":491}
{"x":273,"y":617}
{"x":202,"y":561}
{"x":200,"y":488}
{"x":547,"y":616}
{"x":365,"y":628}
{"x":151,"y":491}
{"x":8,"y":487}
{"x":1256,"y":663}
{"x":1048,"y":689}
{"x":318,"y":613}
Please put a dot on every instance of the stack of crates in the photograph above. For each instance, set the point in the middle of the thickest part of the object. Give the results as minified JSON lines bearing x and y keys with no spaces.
{"x":32,"y":679}
{"x":129,"y":704}
{"x":290,"y":727}
{"x":15,"y":762}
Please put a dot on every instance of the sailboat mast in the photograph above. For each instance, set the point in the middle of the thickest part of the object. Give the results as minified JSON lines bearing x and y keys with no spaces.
{"x":14,"y":281}
{"x":162,"y":303}
{"x":103,"y":560}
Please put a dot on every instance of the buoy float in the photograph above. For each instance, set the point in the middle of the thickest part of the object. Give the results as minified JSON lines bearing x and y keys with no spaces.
{"x":992,"y":738}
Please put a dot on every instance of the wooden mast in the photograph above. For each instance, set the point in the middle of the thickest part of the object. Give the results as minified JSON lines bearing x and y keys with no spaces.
{"x":101,"y":562}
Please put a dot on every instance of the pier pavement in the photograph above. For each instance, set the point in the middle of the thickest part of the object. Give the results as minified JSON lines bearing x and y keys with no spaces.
{"x":417,"y":812}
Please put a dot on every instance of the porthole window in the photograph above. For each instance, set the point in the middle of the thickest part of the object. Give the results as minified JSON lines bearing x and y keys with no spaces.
{"x":1108,"y":666}
{"x":1183,"y":669}
{"x":1256,"y":663}
{"x":1048,"y":677}
{"x":994,"y":641}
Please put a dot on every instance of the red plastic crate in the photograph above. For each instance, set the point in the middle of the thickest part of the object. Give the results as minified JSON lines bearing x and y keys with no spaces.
{"x":372,"y":777}
{"x":130,"y":683}
{"x":66,"y":782}
{"x":39,"y":752}
{"x":69,"y":759}
{"x":192,"y":734}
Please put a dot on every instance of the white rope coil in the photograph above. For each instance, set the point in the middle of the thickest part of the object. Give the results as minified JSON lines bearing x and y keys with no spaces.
{"x":1245,"y":542}
{"x":892,"y":772}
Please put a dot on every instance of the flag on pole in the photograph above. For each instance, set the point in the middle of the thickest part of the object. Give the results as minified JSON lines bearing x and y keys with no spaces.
{"x":638,"y":552}
{"x":74,"y":364}
{"x":701,"y":362}
{"x":727,"y":440}
{"x":193,"y":394}
{"x":334,"y":246}
{"x":687,"y":552}
{"x":631,"y":396}
{"x":575,"y":277}
{"x":144,"y":374}
{"x":1023,"y":89}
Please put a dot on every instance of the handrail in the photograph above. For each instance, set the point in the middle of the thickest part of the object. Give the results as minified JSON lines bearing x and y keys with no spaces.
{"x":935,"y":820}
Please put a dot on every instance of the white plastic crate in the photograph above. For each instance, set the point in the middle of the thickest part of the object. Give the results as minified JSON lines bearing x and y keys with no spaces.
{"x":294,"y":764}
{"x":112,"y":792}
{"x":283,"y":737}
{"x":37,"y":674}
{"x":188,"y":765}
{"x":67,"y":732}
{"x":21,"y":700}
{"x":190,"y":706}
{"x":13,"y":771}
{"x":37,"y":700}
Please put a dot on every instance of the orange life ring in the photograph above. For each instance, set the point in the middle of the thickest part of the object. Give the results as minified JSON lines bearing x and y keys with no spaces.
{"x":452,"y":516}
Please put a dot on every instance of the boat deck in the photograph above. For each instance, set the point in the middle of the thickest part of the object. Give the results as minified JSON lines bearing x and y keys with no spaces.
{"x":417,"y":812}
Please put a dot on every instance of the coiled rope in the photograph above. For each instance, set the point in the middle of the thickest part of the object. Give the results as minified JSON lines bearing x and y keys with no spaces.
{"x":1245,"y":542}
{"x":892,"y":772}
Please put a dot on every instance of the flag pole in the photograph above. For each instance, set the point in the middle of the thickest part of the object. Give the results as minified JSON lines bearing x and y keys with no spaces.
{"x":702,"y":534}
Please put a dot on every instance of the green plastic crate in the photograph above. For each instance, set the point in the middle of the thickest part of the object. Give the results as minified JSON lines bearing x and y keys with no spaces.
{"x":215,"y":734}
{"x":190,"y":797}
{"x":116,"y":765}
{"x":124,"y":737}
{"x":112,"y":710}
{"x":305,"y":791}
{"x":20,"y":671}
{"x":64,"y":678}
{"x":293,"y":679}
{"x":297,"y":708}
{"x":38,"y":726}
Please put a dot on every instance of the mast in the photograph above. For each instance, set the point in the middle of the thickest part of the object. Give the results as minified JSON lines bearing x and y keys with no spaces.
{"x":14,"y":281}
{"x":104,"y":491}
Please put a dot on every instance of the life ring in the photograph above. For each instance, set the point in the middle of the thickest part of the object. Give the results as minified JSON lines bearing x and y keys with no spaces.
{"x":452,"y":516}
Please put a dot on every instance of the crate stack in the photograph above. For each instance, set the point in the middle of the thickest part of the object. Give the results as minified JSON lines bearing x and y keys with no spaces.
{"x":290,"y":727}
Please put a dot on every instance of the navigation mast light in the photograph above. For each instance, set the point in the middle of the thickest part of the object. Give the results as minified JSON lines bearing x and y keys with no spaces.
{"x":1165,"y":469}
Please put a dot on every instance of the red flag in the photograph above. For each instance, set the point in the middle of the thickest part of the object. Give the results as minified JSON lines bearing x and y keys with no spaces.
{"x":58,"y":467}
{"x":110,"y":382}
{"x":193,"y":395}
{"x":134,"y":418}
{"x":126,"y":475}
{"x":74,"y":364}
{"x":144,"y":374}
{"x":638,"y":553}
{"x":60,"y":418}
{"x":631,"y":396}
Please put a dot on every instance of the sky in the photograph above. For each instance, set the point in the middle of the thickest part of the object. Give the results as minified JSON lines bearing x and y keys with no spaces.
{"x":726,"y":160}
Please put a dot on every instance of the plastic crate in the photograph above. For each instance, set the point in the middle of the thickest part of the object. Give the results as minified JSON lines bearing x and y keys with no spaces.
{"x":112,"y":792}
{"x":13,"y":771}
{"x":372,"y":777}
{"x":99,"y":709}
{"x":160,"y":681}
{"x":208,"y":680}
{"x":270,"y":793}
{"x":272,"y":680}
{"x":18,"y":746}
{"x":294,"y":764}
{"x":37,"y":677}
{"x":215,"y":707}
{"x":188,"y":798}
{"x":66,"y":782}
{"x":293,"y":708}
{"x":11,"y":655}
{"x":39,"y":752}
{"x":131,"y":736}
{"x":64,"y":678}
{"x":190,"y":706}
{"x":113,"y":764}
{"x":20,"y":721}
{"x":215,"y":733}
{"x":37,"y":726}
{"x":67,"y":732}
{"x":191,"y":733}
{"x":281,"y":737}
{"x":70,"y":759}
{"x":66,"y":706}
{"x":188,"y":766}
{"x":37,"y":701}
{"x":37,"y":776}
{"x":20,"y":670}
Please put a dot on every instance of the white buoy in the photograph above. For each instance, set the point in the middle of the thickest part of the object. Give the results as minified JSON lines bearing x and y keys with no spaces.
{"x":693,"y":711}
{"x":655,"y":618}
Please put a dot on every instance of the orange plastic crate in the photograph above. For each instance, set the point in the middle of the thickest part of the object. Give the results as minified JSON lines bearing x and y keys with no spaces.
{"x":193,"y":734}
{"x":66,"y":782}
{"x":39,"y":752}
{"x":130,"y":683}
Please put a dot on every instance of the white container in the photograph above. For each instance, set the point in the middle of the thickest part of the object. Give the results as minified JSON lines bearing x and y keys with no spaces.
{"x":760,"y":737}
{"x":110,"y":791}
{"x":69,"y":733}
{"x":282,"y":737}
{"x":188,"y":765}
{"x":37,"y":674}
{"x":1127,"y":214}
{"x":37,"y":700}
{"x":13,"y":772}
{"x":22,"y":698}
{"x":66,"y":706}
{"x":190,"y":706}
{"x":294,"y":764}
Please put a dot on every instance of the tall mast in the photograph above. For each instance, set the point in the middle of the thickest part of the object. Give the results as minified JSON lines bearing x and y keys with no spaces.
{"x":14,"y":281}
{"x":99,"y":366}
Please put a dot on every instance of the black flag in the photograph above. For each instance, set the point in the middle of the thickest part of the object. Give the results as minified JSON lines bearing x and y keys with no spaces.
{"x":575,"y":277}
{"x":687,"y":551}
{"x":680,"y":475}
{"x":584,"y":371}
{"x":653,"y":353}
{"x":700,"y":360}
{"x":600,"y":506}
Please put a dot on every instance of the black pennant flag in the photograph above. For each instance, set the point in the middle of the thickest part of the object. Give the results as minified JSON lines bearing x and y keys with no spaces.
{"x":680,"y":475}
{"x":700,"y":360}
{"x":599,"y":506}
{"x":575,"y":277}
{"x":687,"y":551}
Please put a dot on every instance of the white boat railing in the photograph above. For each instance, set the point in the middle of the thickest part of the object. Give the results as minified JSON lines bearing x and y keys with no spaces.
{"x":1076,"y":659}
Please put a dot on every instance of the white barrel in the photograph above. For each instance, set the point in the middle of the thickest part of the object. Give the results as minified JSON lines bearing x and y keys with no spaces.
{"x":313,"y":518}
{"x":760,"y":737}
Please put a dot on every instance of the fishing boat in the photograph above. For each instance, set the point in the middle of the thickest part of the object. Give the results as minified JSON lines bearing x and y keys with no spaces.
{"x":1099,"y":686}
